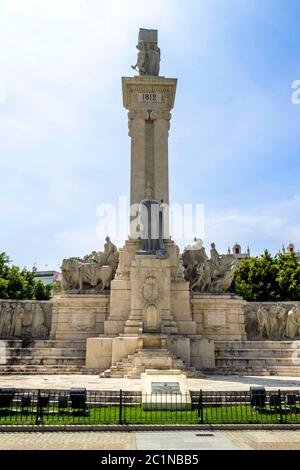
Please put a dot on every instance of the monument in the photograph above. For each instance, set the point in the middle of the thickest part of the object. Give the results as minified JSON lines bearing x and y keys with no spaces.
{"x":150,"y":322}
{"x":127,"y":312}
{"x":147,"y":312}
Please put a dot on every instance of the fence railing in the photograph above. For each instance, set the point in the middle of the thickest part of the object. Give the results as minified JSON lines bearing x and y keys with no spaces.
{"x":79,"y":406}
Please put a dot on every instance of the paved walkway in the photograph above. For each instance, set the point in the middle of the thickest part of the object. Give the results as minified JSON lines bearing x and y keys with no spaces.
{"x":183,"y":440}
{"x":93,"y":382}
{"x":158,"y":440}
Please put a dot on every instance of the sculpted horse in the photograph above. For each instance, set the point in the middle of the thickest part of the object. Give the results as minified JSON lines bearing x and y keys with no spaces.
{"x":77,"y":274}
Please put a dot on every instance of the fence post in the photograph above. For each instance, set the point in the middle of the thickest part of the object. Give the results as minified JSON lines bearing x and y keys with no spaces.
{"x":280,"y":407}
{"x":39,"y":410}
{"x":200,"y":407}
{"x":121,"y":407}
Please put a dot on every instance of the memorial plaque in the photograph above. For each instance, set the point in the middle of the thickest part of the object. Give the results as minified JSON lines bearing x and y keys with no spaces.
{"x":165,"y":387}
{"x":151,"y":97}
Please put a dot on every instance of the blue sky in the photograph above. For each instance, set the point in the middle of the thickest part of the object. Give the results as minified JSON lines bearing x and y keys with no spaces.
{"x":64,"y":145}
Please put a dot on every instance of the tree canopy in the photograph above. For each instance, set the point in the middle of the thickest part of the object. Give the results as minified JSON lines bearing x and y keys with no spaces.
{"x":16,"y":283}
{"x":268,"y":278}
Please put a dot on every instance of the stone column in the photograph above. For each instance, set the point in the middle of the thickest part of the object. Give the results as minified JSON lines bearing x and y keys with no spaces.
{"x":149,"y":101}
{"x":161,"y":165}
{"x":137,"y":126}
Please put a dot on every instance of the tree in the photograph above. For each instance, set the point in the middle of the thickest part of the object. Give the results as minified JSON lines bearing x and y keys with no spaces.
{"x":288,"y":276}
{"x":21,"y":284}
{"x":268,"y":278}
{"x":4,"y":264}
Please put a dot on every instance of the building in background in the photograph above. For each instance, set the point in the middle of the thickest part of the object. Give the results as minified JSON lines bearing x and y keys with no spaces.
{"x":237,"y":251}
{"x":48,"y":277}
{"x":290,"y":249}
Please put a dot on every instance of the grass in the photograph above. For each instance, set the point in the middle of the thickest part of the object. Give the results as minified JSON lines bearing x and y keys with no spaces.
{"x":134,"y":414}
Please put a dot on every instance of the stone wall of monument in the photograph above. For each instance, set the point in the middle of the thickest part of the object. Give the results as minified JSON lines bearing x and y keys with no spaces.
{"x":25,"y":319}
{"x":79,"y":316}
{"x":219,"y":317}
{"x":272,"y":320}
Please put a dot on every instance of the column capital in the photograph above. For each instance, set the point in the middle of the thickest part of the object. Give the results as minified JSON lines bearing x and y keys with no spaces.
{"x":160,"y":114}
{"x":138,"y":114}
{"x":134,"y":115}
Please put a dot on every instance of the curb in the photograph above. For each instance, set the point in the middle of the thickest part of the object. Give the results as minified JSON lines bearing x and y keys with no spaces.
{"x":142,"y":427}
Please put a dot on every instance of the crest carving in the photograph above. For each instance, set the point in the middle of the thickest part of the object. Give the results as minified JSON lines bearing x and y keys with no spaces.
{"x":150,"y":289}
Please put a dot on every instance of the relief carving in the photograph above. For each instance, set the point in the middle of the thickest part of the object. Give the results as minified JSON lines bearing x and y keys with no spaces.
{"x":275,"y":321}
{"x":21,"y":319}
{"x":150,"y":289}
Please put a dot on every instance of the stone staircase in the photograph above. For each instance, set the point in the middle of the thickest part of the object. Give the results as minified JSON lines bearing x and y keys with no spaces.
{"x":258,"y":358}
{"x":43,"y":357}
{"x":135,"y":364}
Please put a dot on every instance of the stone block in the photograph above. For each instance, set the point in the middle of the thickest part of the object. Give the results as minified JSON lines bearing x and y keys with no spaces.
{"x":114,"y":327}
{"x":172,"y":390}
{"x":219,"y":316}
{"x":122,"y":346}
{"x":180,"y":346}
{"x":98,"y":353}
{"x":78,"y":316}
{"x":202,"y":353}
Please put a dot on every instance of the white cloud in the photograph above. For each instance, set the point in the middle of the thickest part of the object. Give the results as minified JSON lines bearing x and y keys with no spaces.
{"x":61,"y":61}
{"x":265,"y":226}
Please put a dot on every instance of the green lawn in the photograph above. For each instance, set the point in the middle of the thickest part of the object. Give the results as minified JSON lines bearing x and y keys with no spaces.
{"x":134,"y":414}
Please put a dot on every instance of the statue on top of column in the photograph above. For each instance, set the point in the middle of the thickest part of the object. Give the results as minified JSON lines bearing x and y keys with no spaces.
{"x":148,"y":58}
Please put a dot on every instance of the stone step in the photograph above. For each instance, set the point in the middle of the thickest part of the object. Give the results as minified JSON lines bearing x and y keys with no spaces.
{"x":134,"y":364}
{"x":45,"y":370}
{"x":287,"y":371}
{"x":59,"y":343}
{"x":241,"y":345}
{"x":42,"y":360}
{"x":255,"y":353}
{"x":153,"y":352}
{"x":252,"y":371}
{"x":234,"y":362}
{"x":65,"y":352}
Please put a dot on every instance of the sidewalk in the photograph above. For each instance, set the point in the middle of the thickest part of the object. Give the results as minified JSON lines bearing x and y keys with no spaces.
{"x":153,"y":440}
{"x":93,"y":382}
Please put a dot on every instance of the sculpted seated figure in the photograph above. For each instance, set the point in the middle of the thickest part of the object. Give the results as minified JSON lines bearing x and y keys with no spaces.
{"x":214,"y":274}
{"x":93,"y":272}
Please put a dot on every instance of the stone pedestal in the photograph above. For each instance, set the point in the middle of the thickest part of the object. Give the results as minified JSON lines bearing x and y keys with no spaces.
{"x":150,"y":308}
{"x":79,"y":316}
{"x":195,"y":350}
{"x":219,"y":317}
{"x":149,"y":294}
{"x":165,"y":390}
{"x":104,"y":351}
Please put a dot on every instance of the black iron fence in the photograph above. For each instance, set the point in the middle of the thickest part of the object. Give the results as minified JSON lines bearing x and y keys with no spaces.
{"x":79,"y":406}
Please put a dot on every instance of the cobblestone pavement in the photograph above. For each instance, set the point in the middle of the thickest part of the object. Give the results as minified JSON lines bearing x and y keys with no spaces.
{"x":156,"y":440}
{"x":93,"y":382}
{"x":265,"y":440}
{"x":67,"y":441}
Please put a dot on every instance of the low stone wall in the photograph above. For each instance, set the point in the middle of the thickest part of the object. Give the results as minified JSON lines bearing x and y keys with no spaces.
{"x":272,"y":320}
{"x":25,"y":319}
{"x":79,"y":317}
{"x":219,"y":317}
